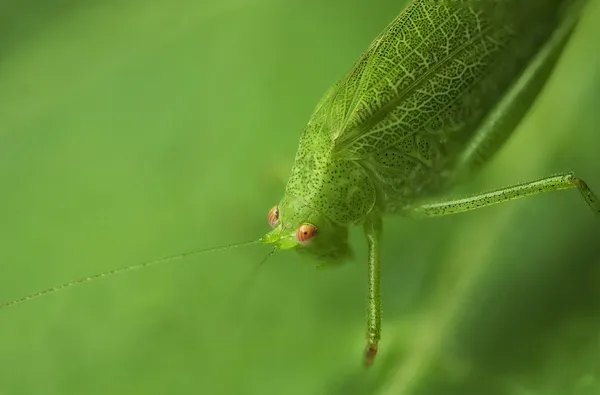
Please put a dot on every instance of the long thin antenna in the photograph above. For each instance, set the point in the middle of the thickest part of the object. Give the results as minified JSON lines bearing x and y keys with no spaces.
{"x":251,"y":277}
{"x":129,"y":268}
{"x":248,"y":281}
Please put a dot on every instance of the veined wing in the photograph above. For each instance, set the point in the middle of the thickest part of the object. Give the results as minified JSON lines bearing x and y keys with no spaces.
{"x":435,"y":72}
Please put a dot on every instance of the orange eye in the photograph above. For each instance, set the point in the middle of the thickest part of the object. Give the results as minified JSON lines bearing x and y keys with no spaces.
{"x":274,"y":216}
{"x":305,"y":232}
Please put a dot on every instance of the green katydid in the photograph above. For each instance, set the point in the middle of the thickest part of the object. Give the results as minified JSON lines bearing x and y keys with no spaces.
{"x":431,"y":100}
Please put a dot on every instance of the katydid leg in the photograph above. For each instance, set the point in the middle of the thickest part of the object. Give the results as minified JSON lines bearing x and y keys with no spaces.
{"x":373,"y":232}
{"x":547,"y":184}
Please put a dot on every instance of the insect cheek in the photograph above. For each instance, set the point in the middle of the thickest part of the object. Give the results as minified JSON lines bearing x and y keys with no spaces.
{"x":274,"y":217}
{"x":305,"y":232}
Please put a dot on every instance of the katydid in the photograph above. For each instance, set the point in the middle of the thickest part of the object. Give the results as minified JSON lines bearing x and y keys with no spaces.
{"x":433,"y":98}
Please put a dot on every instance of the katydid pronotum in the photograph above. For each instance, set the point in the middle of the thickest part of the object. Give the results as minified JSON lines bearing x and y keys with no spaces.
{"x":431,"y":101}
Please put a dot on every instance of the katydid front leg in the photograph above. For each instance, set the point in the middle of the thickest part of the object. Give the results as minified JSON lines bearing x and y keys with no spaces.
{"x":372,"y":228}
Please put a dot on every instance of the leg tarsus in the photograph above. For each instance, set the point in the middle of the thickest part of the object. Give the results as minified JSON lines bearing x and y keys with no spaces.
{"x":590,"y":197}
{"x":370,"y":352}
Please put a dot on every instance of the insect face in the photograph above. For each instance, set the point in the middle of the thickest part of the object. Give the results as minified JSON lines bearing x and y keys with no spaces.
{"x":298,"y":225}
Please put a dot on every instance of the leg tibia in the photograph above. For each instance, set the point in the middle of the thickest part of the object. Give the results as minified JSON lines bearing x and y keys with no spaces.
{"x":373,"y":232}
{"x":554,"y":183}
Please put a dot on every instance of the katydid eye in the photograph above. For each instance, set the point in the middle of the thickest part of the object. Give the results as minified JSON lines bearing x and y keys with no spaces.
{"x":305,"y":232}
{"x":274,"y":216}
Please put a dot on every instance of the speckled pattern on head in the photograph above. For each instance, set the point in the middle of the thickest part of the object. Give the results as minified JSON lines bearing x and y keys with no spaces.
{"x":391,"y":130}
{"x":338,"y":188}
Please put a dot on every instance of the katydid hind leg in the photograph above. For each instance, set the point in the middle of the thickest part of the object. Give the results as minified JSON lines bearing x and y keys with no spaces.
{"x":506,"y":194}
{"x":372,"y":229}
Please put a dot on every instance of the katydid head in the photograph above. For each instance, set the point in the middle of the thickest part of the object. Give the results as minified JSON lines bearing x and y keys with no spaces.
{"x":296,"y":224}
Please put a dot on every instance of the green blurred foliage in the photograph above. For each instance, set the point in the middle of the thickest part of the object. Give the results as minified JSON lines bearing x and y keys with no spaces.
{"x":133,"y":129}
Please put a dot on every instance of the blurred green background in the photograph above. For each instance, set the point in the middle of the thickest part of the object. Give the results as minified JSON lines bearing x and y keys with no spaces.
{"x":134,"y":129}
